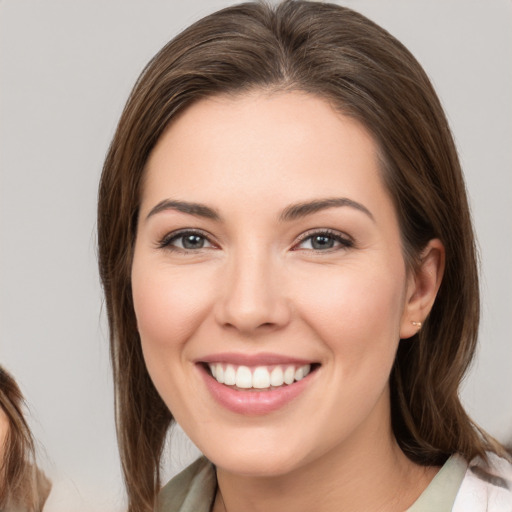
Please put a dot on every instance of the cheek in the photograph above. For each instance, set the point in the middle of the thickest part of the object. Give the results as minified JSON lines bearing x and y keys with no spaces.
{"x":356,"y":311}
{"x":169,"y":305}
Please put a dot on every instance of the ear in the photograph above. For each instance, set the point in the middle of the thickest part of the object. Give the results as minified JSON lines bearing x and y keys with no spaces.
{"x":422,"y":286}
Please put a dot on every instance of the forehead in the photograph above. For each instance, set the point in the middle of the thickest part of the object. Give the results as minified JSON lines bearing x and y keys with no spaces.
{"x":288,"y":146}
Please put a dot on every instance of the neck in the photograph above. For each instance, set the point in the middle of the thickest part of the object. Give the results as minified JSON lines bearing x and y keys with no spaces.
{"x":369,"y":474}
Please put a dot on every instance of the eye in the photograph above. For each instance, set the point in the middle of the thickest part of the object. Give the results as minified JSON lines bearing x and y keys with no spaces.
{"x":185,"y":241}
{"x":324,"y":240}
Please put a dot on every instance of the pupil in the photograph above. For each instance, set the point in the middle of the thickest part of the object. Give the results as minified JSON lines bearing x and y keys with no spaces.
{"x":193,"y":242}
{"x":322,"y":242}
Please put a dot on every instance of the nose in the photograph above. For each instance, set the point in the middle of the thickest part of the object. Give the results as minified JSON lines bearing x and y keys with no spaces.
{"x":253,"y":299}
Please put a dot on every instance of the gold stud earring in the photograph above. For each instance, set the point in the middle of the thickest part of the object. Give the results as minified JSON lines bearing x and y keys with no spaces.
{"x":416,"y":324}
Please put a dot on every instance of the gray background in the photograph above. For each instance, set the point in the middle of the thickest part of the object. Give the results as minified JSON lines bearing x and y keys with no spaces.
{"x":66,"y":68}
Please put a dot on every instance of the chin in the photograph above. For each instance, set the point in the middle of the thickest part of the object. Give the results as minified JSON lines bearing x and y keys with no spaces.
{"x":256,"y":465}
{"x":252,"y":457}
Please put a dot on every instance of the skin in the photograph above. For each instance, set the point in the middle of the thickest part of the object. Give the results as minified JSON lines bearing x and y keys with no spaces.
{"x":258,"y":285}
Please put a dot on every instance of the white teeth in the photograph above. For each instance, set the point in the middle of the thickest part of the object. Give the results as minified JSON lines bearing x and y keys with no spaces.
{"x":277,"y":377}
{"x":289,"y":375}
{"x":258,"y":378}
{"x":243,"y":377}
{"x":219,"y":373}
{"x":230,"y":375}
{"x":301,"y":372}
{"x":261,"y":378}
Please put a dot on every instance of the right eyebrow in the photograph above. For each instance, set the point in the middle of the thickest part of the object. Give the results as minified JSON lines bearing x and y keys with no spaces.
{"x":196,"y":209}
{"x":296,"y":211}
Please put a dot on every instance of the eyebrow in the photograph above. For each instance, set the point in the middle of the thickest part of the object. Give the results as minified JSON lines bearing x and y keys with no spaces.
{"x":292,"y":212}
{"x":196,"y":209}
{"x":296,"y":211}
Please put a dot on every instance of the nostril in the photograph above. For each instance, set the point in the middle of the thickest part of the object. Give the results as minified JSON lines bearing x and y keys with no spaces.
{"x":248,"y":326}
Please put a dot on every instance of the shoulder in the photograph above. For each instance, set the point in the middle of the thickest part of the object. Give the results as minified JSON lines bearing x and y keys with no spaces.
{"x":192,"y":490}
{"x":486,"y":487}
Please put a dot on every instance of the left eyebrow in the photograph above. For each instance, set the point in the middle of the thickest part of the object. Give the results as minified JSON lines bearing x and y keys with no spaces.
{"x":299,"y":210}
{"x":196,"y":209}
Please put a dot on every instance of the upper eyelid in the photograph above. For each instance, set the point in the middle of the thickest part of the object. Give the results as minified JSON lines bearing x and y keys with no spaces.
{"x":184,"y":231}
{"x":324,"y":231}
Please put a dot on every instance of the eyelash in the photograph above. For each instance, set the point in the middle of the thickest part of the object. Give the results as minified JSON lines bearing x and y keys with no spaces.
{"x":344,"y":241}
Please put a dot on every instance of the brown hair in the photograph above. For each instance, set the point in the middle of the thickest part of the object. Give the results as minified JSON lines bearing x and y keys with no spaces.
{"x":22,"y":485}
{"x":364,"y":72}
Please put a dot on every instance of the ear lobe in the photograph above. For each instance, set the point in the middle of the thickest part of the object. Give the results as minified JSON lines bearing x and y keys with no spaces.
{"x":423,"y":285}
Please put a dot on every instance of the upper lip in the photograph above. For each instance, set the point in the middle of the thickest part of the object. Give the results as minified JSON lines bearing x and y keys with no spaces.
{"x":260,"y":359}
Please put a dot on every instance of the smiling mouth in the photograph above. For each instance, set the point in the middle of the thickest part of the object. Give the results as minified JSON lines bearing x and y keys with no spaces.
{"x":256,"y":378}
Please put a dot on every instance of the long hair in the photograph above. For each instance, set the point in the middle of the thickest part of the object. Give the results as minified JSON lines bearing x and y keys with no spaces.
{"x":22,"y":485}
{"x":365,"y":73}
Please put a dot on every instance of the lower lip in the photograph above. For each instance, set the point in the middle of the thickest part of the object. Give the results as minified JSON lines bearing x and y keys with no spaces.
{"x":254,"y":403}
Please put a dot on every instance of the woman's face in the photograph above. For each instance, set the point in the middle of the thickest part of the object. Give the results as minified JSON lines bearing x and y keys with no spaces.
{"x":267,"y":248}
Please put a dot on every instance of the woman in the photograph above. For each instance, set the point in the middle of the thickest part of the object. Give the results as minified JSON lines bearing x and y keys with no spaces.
{"x":289,"y":269}
{"x":23,"y":487}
